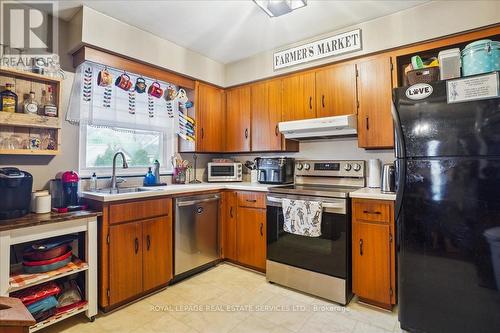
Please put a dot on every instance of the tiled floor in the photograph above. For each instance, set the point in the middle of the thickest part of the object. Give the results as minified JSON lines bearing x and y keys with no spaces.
{"x":232,"y":299}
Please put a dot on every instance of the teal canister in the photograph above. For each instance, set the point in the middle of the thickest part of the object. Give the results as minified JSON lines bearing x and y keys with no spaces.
{"x":481,"y":56}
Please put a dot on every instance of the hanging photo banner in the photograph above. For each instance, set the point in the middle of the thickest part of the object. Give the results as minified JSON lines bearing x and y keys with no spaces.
{"x":327,"y":47}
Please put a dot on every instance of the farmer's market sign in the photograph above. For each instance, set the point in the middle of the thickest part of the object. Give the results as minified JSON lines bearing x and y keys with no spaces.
{"x":327,"y":47}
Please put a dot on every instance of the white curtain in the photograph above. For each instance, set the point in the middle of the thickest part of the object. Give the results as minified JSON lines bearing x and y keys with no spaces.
{"x":113,"y":107}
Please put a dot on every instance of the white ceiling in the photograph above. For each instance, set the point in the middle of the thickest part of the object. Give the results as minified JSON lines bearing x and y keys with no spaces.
{"x":227,"y":31}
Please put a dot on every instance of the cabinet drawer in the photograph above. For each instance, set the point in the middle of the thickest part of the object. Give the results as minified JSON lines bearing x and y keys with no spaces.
{"x":372,"y":210}
{"x":251,"y":199}
{"x":138,"y":210}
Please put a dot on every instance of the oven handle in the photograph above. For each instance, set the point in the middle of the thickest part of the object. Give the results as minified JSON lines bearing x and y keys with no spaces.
{"x":329,"y":207}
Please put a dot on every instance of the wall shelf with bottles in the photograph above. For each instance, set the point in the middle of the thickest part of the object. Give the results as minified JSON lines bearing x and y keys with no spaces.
{"x":33,"y":125}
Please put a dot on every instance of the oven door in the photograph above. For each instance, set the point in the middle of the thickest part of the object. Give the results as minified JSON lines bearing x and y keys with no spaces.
{"x":327,"y":254}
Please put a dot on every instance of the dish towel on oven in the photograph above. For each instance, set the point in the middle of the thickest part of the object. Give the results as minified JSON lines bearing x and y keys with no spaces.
{"x":302,"y":217}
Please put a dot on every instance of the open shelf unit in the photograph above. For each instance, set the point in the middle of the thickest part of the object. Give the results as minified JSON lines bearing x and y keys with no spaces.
{"x":84,"y":263}
{"x":17,"y":130}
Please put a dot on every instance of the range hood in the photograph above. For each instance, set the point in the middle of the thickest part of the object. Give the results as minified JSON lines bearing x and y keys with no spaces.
{"x":319,"y":128}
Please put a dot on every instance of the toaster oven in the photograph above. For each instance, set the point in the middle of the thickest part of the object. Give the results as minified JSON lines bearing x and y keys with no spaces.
{"x":225,"y":172}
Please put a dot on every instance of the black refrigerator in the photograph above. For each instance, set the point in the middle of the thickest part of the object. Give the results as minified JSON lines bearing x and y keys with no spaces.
{"x":447,"y":210}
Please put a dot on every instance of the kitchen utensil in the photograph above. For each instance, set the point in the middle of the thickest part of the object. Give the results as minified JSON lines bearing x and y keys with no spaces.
{"x":388,"y":178}
{"x":140,"y":85}
{"x":34,"y":255}
{"x":104,"y":78}
{"x":123,"y":82}
{"x":374,"y":173}
{"x":481,"y":56}
{"x":155,"y":90}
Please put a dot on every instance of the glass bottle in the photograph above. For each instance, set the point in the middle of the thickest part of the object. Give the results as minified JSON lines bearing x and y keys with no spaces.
{"x":8,"y":99}
{"x":50,"y":109}
{"x":30,"y":104}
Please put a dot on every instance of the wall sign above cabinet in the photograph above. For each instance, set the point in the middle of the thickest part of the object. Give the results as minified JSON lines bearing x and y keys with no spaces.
{"x":335,"y":45}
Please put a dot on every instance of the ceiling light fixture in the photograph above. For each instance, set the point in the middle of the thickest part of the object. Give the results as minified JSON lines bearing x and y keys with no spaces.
{"x":275,"y":8}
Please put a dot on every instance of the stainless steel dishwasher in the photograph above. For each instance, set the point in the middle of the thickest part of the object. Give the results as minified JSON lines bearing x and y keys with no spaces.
{"x":196,"y":234}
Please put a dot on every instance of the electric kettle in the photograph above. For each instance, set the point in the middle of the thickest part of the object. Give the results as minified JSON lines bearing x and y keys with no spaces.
{"x":388,"y":178}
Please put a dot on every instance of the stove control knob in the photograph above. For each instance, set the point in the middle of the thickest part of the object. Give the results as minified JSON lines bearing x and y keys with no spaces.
{"x":307,"y":166}
{"x":356,"y":167}
{"x":347,"y":167}
{"x":299,"y":166}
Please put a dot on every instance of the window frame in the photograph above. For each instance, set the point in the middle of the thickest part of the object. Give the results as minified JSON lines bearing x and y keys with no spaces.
{"x":165,"y":168}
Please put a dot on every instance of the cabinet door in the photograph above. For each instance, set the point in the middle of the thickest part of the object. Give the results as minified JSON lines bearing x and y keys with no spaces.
{"x":336,"y":91}
{"x":229,"y":225}
{"x":298,"y":97}
{"x":251,"y":237}
{"x":371,"y":278}
{"x":210,"y":119}
{"x":375,"y":129}
{"x":238,"y":119}
{"x":266,"y":114}
{"x":125,"y":261}
{"x":157,"y":251}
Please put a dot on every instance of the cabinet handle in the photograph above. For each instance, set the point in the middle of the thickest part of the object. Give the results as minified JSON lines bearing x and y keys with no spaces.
{"x":310,"y":103}
{"x":148,"y":242}
{"x":202,"y":133}
{"x":323,"y":100}
{"x":261,"y":227}
{"x":367,"y":124}
{"x":361,"y":247}
{"x":251,"y":200}
{"x":231,"y":211}
{"x":276,"y":130}
{"x":246,"y":133}
{"x":371,"y":212}
{"x":136,"y":244}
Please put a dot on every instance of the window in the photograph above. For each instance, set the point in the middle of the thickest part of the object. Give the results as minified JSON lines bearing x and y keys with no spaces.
{"x":113,"y":119}
{"x":141,"y":149}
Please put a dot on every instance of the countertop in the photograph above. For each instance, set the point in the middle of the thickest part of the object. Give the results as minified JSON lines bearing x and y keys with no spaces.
{"x":32,"y":219}
{"x":173,"y":189}
{"x":372,"y":193}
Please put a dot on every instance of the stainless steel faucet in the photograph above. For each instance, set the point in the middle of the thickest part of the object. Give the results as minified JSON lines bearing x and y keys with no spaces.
{"x":114,"y":188}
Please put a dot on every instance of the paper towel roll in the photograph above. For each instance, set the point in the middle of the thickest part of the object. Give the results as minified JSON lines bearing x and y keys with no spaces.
{"x":374,"y":173}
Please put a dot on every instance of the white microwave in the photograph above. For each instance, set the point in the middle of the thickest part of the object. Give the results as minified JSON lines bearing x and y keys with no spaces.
{"x":225,"y":172}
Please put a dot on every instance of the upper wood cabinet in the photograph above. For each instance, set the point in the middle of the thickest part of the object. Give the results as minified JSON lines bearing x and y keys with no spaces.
{"x":299,"y":97}
{"x":375,"y":127}
{"x":336,"y":90}
{"x":266,"y":114}
{"x":238,"y":129}
{"x":209,"y":119}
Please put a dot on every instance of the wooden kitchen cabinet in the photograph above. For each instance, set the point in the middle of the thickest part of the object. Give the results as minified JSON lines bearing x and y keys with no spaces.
{"x":336,"y":90}
{"x":125,"y":268}
{"x":375,"y":127}
{"x":210,"y":115}
{"x":157,"y":252}
{"x":238,"y":131}
{"x":135,"y":249}
{"x":299,"y":97}
{"x":266,"y":114}
{"x":373,"y":252}
{"x":251,"y":237}
{"x":229,"y":208}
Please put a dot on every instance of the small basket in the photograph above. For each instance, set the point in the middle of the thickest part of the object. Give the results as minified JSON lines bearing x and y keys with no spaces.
{"x":424,"y":75}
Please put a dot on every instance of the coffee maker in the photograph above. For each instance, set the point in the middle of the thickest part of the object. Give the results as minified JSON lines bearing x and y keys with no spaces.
{"x":15,"y":193}
{"x":64,"y":191}
{"x":275,"y":170}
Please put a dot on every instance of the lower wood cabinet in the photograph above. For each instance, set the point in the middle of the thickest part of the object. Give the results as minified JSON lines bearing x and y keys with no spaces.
{"x":373,"y":252}
{"x":125,"y":266}
{"x":251,"y":237}
{"x":135,"y":249}
{"x":157,"y":252}
{"x":244,"y":228}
